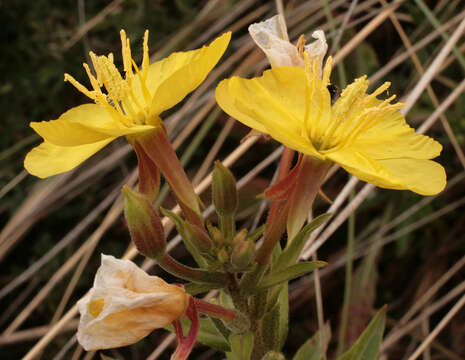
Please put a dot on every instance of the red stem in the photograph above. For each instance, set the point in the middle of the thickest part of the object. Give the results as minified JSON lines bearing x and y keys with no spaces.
{"x":213,"y":310}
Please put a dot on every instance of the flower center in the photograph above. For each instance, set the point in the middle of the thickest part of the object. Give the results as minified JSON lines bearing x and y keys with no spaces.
{"x":330,"y":127}
{"x":127,"y":99}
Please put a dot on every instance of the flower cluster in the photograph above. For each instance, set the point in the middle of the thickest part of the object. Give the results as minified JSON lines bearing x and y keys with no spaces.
{"x":291,"y":102}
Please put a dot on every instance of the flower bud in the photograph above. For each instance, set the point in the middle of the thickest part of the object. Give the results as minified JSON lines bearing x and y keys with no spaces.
{"x":243,"y":255}
{"x":144,"y":224}
{"x":198,"y":237}
{"x":240,"y":236}
{"x":224,"y":190}
{"x":223,"y":256}
{"x":216,"y":235}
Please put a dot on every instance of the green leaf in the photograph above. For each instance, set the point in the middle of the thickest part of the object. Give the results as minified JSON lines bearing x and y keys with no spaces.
{"x":292,"y":252}
{"x":283,"y":314}
{"x":270,"y":328}
{"x":315,"y":347}
{"x":367,"y":345}
{"x":290,"y":273}
{"x":242,"y":345}
{"x":254,"y":235}
{"x":195,"y":288}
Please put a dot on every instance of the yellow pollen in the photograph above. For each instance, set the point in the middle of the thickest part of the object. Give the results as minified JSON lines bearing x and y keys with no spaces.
{"x":96,"y":306}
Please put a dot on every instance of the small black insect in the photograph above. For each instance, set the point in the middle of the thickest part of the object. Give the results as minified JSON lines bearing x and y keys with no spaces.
{"x":334,"y":91}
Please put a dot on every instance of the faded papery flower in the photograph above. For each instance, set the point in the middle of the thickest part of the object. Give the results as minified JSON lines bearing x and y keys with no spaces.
{"x":125,"y":305}
{"x":271,"y":36}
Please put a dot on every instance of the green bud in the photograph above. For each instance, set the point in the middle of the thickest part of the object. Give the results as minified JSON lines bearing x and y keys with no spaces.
{"x":243,"y":255}
{"x":144,"y":224}
{"x":224,"y":190}
{"x":216,"y":234}
{"x":240,"y":236}
{"x":223,"y":256}
{"x":198,"y":237}
{"x":273,"y":355}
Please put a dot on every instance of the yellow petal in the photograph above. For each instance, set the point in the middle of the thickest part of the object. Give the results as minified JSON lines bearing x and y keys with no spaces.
{"x":47,"y":159}
{"x":393,"y":138}
{"x":84,"y":124}
{"x":424,"y":177}
{"x":171,"y":79}
{"x":273,"y":104}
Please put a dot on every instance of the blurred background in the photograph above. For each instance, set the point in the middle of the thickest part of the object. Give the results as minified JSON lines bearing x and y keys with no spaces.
{"x":409,"y":250}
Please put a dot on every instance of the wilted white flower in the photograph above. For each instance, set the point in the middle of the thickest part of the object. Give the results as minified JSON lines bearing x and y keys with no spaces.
{"x":126,"y":304}
{"x":271,"y":36}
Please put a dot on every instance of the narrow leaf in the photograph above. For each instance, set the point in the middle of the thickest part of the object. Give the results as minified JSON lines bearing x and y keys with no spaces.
{"x":367,"y":345}
{"x":315,"y":347}
{"x":242,"y":345}
{"x":290,"y":273}
{"x":283,"y":314}
{"x":292,"y":252}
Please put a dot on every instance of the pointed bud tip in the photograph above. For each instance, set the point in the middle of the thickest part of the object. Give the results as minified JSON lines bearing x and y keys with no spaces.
{"x":224,"y":190}
{"x":144,"y":224}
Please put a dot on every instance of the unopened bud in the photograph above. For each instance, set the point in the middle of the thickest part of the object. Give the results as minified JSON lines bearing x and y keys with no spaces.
{"x":243,"y":255}
{"x":198,"y":237}
{"x":240,"y":236}
{"x":224,"y":190}
{"x":144,"y":224}
{"x":216,"y":234}
{"x":223,"y":256}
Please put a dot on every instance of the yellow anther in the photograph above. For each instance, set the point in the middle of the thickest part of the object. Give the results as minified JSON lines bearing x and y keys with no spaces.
{"x":95,"y":64}
{"x":381,"y":89}
{"x":116,"y":87}
{"x":301,"y":45}
{"x":79,"y":86}
{"x":93,"y":80}
{"x":145,"y":56}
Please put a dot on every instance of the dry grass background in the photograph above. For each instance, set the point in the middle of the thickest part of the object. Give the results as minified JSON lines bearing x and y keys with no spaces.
{"x":404,"y":250}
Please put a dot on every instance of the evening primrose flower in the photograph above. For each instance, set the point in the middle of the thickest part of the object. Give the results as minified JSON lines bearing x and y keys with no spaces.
{"x":129,"y":106}
{"x":366,"y":136}
{"x":125,"y":305}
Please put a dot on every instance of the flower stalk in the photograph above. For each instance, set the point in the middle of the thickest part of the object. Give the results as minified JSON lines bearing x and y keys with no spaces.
{"x":159,"y":149}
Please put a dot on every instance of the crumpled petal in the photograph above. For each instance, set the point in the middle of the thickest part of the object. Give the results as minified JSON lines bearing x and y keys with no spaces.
{"x":84,"y":124}
{"x":48,"y":159}
{"x":422,"y":176}
{"x":125,"y":305}
{"x":273,"y":104}
{"x":271,"y":36}
{"x":172,"y":78}
{"x":393,"y":138}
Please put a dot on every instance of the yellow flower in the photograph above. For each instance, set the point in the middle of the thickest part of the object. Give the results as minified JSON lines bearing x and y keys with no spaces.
{"x":125,"y":305}
{"x":366,"y":136}
{"x":129,"y":106}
